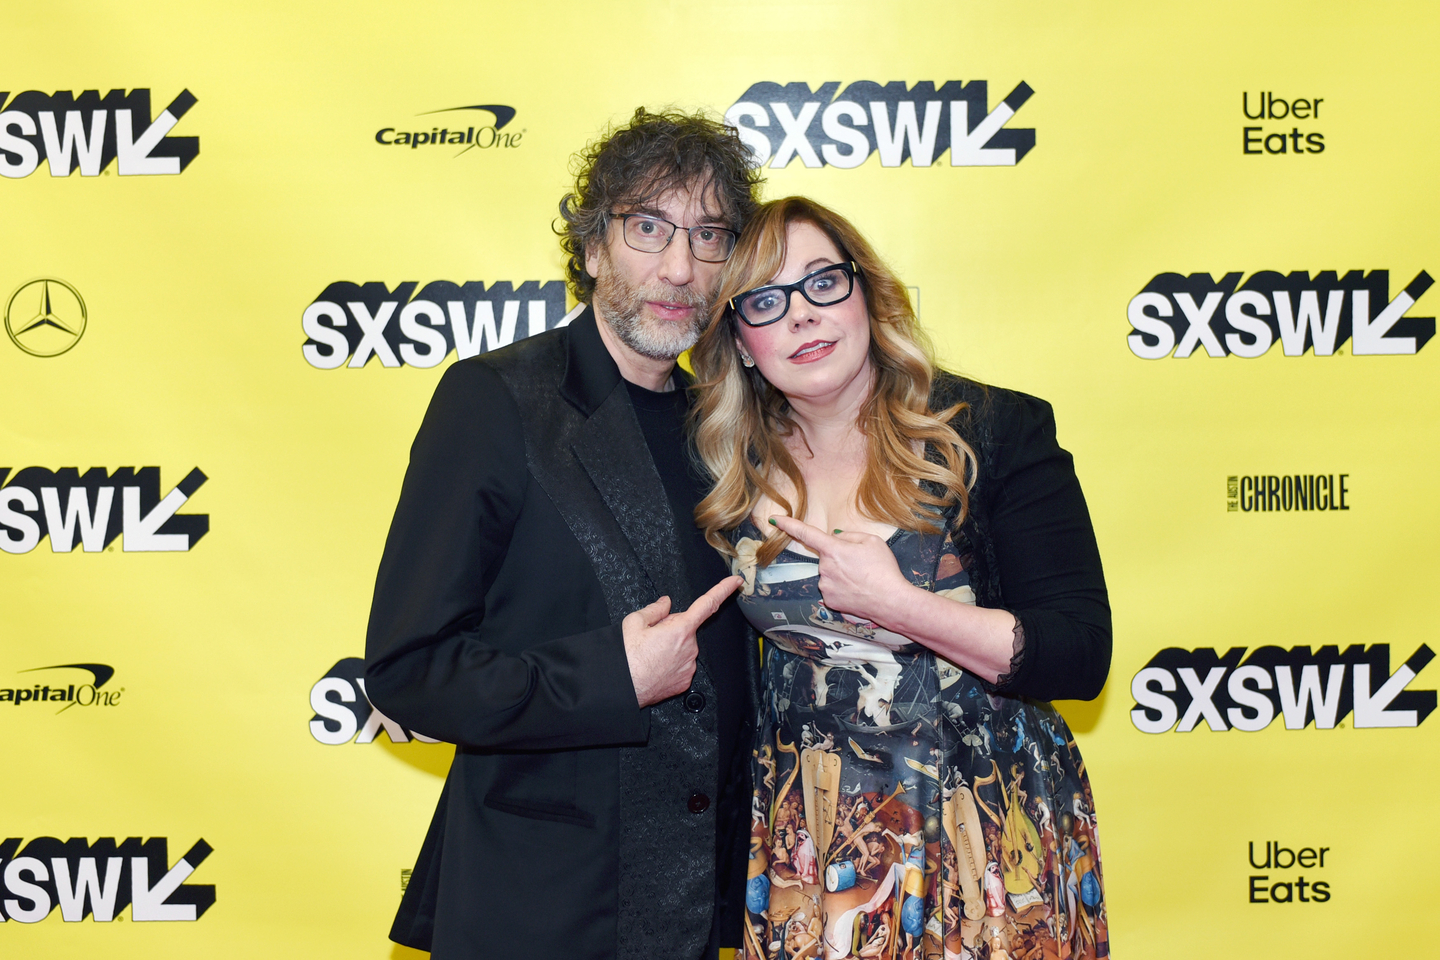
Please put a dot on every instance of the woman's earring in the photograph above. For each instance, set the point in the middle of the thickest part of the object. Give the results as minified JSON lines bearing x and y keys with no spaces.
{"x":746,"y":359}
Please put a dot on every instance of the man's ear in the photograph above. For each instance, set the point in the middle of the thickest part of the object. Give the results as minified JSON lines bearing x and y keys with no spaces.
{"x":592,"y":258}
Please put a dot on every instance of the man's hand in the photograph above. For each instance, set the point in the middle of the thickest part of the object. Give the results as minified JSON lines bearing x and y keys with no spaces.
{"x":660,"y":645}
{"x":858,"y":573}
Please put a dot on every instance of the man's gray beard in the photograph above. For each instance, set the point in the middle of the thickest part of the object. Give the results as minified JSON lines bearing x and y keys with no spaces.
{"x":622,"y":304}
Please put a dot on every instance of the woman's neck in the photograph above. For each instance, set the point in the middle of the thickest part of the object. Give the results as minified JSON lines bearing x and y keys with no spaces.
{"x":830,"y":424}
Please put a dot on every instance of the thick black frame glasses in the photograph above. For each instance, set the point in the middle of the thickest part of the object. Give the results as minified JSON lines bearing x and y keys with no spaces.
{"x":643,"y":242}
{"x":748,"y":301}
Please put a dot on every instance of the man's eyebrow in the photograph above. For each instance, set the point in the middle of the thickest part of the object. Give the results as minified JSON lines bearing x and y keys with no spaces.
{"x":707,"y":219}
{"x":716,"y":218}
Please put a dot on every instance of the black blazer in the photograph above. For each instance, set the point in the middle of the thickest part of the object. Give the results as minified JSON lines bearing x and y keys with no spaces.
{"x":531,"y":521}
{"x":1034,"y":550}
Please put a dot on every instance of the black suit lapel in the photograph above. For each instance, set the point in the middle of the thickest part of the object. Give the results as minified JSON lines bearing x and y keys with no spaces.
{"x":613,"y":451}
{"x":587,"y":451}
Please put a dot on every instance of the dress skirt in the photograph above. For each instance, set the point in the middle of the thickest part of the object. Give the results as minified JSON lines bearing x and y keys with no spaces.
{"x":901,"y":810}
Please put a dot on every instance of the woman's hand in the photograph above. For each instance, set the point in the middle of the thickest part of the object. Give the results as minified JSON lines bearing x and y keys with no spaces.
{"x":859,"y":576}
{"x":858,"y":573}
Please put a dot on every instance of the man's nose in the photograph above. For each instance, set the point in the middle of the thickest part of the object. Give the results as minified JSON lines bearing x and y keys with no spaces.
{"x":677,"y":263}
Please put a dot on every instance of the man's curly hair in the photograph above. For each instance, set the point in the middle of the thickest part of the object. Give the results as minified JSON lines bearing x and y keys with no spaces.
{"x":652,"y":154}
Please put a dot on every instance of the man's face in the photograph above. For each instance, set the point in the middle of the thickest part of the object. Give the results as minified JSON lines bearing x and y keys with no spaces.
{"x":657,"y":303}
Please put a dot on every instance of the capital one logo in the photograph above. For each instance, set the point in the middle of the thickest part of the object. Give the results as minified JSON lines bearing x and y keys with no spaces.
{"x":829,"y":127}
{"x":100,"y":879}
{"x":349,"y":323}
{"x":90,"y":131}
{"x":344,"y":713}
{"x":1180,"y":689}
{"x":465,"y":134}
{"x":92,"y":509}
{"x":1177,"y":315}
{"x":67,"y":692}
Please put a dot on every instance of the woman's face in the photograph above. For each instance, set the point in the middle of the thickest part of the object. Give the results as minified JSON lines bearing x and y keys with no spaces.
{"x":812,"y":353}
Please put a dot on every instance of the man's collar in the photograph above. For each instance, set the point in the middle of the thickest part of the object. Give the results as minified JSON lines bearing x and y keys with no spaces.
{"x":590,"y":372}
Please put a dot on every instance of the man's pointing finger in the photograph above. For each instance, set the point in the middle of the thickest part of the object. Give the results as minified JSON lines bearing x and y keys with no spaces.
{"x":706,"y":605}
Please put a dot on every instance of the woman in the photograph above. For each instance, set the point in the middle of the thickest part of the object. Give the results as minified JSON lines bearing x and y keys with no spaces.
{"x":918,"y":556}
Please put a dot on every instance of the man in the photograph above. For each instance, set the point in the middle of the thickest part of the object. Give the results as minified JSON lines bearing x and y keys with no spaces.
{"x":543,"y":584}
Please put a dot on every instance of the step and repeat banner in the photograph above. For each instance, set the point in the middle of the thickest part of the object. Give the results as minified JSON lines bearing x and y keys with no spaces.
{"x":241,"y":244}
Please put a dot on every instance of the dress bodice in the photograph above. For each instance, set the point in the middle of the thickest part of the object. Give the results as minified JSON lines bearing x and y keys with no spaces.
{"x":782,"y":601}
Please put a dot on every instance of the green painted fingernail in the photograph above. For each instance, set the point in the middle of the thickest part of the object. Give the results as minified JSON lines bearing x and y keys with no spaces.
{"x":773,"y":523}
{"x":838,"y":530}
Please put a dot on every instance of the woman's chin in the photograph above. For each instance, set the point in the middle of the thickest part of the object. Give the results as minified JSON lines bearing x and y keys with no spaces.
{"x":817,"y":381}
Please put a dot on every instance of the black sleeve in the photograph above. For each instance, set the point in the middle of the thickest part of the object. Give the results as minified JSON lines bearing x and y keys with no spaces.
{"x":426,"y":666}
{"x":1049,"y":564}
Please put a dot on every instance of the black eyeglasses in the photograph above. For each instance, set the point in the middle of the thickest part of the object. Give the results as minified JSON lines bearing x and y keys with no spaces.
{"x":652,"y":234}
{"x":824,"y":287}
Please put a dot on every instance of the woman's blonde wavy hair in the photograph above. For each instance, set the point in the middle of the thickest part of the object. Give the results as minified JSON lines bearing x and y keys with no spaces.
{"x":739,"y":421}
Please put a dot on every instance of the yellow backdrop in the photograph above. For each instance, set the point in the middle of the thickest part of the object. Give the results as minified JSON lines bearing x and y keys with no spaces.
{"x":220,"y":298}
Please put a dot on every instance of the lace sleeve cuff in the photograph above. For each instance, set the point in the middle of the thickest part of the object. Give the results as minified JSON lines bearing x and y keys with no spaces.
{"x":1017,"y":658}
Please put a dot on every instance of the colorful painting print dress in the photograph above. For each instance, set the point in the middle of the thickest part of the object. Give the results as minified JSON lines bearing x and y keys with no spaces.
{"x":901,"y":811}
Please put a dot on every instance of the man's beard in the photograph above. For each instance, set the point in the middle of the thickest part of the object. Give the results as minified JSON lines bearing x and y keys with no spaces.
{"x":622,"y":306}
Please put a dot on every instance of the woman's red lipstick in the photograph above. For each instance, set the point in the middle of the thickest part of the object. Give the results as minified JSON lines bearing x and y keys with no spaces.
{"x":800,"y":356}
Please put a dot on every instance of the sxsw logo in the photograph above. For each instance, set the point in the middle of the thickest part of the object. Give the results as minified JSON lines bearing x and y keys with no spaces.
{"x":100,"y":879}
{"x":780,"y":123}
{"x":1176,"y":315}
{"x":92,"y":509}
{"x":90,"y":131}
{"x":1248,"y":693}
{"x":350,"y":323}
{"x":343,"y":711}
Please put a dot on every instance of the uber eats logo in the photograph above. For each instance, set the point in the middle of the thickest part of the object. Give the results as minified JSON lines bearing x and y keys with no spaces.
{"x":89,"y":132}
{"x":1179,"y":689}
{"x":343,"y":711}
{"x":1261,"y":141}
{"x":780,"y":123}
{"x":1176,"y":315}
{"x":100,"y":879}
{"x":90,"y":510}
{"x":350,"y":323}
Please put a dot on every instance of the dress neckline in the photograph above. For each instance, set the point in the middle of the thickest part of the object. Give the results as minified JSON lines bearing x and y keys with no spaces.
{"x":804,"y":552}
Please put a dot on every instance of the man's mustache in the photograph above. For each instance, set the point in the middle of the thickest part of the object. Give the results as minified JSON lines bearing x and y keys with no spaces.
{"x":674,"y":296}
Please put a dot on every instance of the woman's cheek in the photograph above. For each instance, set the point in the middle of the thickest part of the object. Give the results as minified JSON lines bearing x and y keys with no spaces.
{"x":764,"y":349}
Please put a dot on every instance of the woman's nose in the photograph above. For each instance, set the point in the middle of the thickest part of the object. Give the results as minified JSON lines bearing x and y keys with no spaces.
{"x":802,"y":313}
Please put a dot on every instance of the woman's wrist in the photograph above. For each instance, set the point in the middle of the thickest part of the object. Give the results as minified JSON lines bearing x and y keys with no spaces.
{"x":898,"y":608}
{"x":980,"y":639}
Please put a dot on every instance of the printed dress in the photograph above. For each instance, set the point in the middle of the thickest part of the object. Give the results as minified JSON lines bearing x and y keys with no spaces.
{"x":901,"y":811}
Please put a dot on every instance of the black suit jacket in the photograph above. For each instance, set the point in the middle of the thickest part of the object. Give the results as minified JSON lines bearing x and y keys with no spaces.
{"x":531,"y":521}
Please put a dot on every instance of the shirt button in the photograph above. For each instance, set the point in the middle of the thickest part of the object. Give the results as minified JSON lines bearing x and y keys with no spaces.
{"x":698,"y":803}
{"x":694,"y":701}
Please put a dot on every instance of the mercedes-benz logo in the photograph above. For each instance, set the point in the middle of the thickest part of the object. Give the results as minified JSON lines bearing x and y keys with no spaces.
{"x":45,"y":317}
